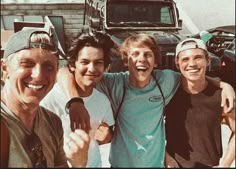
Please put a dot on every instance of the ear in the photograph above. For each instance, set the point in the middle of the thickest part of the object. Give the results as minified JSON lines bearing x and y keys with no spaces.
{"x":208,"y":60}
{"x":177,"y":63}
{"x":155,"y":65}
{"x":4,"y":69}
{"x":71,"y":68}
{"x":3,"y":65}
{"x":108,"y":68}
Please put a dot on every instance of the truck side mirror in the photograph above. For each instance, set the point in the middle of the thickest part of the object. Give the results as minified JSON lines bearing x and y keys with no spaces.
{"x":95,"y":22}
{"x":180,"y":23}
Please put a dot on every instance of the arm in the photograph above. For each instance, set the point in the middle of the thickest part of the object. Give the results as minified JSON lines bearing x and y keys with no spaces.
{"x":67,"y":83}
{"x":227,"y":94}
{"x":229,"y":155}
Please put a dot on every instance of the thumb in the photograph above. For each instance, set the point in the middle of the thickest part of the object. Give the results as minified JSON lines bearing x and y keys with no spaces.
{"x":103,"y":123}
{"x":223,"y":101}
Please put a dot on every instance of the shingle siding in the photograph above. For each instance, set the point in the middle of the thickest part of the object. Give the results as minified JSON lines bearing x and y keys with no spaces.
{"x":72,"y":14}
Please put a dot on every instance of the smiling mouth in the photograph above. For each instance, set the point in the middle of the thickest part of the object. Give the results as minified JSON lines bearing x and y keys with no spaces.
{"x":141,"y":68}
{"x":193,"y":70}
{"x":35,"y":87}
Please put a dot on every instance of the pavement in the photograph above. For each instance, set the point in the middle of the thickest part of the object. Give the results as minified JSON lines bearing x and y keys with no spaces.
{"x":106,"y":147}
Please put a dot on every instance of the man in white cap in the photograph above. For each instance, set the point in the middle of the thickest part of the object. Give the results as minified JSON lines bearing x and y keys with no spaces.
{"x":193,"y":123}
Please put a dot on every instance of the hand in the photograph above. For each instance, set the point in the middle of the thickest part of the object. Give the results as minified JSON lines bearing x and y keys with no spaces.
{"x":227,"y":98}
{"x":79,"y":117}
{"x":76,"y":149}
{"x":103,"y":134}
{"x":170,"y":162}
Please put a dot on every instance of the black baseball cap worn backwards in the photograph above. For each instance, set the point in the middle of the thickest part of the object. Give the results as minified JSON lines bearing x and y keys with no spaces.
{"x":21,"y":40}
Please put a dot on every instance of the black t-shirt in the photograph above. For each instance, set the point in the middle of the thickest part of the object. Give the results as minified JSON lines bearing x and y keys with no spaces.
{"x":193,"y":127}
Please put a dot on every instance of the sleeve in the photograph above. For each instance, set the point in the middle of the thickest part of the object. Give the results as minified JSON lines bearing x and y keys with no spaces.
{"x":106,"y":83}
{"x":112,"y":86}
{"x":109,"y":118}
{"x":169,"y":81}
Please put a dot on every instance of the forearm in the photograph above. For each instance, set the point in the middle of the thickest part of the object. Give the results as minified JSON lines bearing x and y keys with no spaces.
{"x":229,"y":155}
{"x":67,"y":83}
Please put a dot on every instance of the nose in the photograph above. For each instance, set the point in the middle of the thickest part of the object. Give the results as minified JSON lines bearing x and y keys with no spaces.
{"x":91,"y":67}
{"x":37,"y":72}
{"x":142,"y":56}
{"x":192,"y":62}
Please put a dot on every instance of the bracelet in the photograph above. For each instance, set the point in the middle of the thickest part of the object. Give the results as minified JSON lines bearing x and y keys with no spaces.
{"x":74,"y":99}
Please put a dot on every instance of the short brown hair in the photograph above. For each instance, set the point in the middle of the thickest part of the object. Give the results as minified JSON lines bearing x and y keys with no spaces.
{"x":140,"y":40}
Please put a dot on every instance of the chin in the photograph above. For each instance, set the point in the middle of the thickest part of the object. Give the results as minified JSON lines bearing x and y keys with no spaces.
{"x":194,"y":79}
{"x":92,"y":84}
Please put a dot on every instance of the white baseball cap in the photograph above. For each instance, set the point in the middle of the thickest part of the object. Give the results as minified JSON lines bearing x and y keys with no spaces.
{"x":190,"y":43}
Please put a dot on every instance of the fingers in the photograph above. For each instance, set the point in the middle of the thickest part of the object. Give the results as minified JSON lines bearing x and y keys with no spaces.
{"x":223,"y":101}
{"x":76,"y":149}
{"x":78,"y":140}
{"x":228,"y":105}
{"x":87,"y":126}
{"x":102,"y":123}
{"x":79,"y":119}
{"x":72,"y":126}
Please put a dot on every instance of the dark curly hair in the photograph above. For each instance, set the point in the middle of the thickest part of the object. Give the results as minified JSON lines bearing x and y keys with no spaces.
{"x":93,"y":39}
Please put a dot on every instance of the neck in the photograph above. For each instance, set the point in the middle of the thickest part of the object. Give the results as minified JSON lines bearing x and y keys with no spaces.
{"x":24,"y":111}
{"x":194,"y":87}
{"x":84,"y":91}
{"x":139,"y":84}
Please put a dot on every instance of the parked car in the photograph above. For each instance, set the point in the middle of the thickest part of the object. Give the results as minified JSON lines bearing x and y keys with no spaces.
{"x":122,"y":18}
{"x":218,"y":41}
{"x":221,"y":38}
{"x":228,"y":71}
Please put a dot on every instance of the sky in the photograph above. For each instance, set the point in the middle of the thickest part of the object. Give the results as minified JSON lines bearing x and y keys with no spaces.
{"x":200,"y":15}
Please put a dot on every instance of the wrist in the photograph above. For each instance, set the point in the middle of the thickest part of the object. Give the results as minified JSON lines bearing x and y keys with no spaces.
{"x":71,"y":101}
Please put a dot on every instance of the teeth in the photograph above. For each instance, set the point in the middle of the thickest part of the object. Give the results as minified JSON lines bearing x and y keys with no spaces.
{"x":193,"y":70}
{"x":35,"y":87}
{"x":141,"y":67}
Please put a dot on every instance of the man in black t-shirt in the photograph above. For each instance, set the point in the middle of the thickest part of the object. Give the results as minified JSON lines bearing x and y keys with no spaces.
{"x":193,"y":123}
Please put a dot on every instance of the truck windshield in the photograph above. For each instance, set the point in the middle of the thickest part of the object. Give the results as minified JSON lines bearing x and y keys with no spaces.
{"x":139,"y":13}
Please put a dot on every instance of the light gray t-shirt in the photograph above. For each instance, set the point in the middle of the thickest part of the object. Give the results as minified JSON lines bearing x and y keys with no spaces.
{"x":99,"y":109}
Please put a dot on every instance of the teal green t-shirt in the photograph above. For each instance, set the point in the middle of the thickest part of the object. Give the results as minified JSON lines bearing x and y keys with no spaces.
{"x":139,"y":139}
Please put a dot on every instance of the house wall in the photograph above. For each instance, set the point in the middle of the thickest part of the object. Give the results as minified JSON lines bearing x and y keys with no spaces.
{"x":72,"y":14}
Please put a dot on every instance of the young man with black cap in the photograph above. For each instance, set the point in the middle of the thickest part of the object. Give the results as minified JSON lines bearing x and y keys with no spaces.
{"x":29,"y":65}
{"x":193,"y":123}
